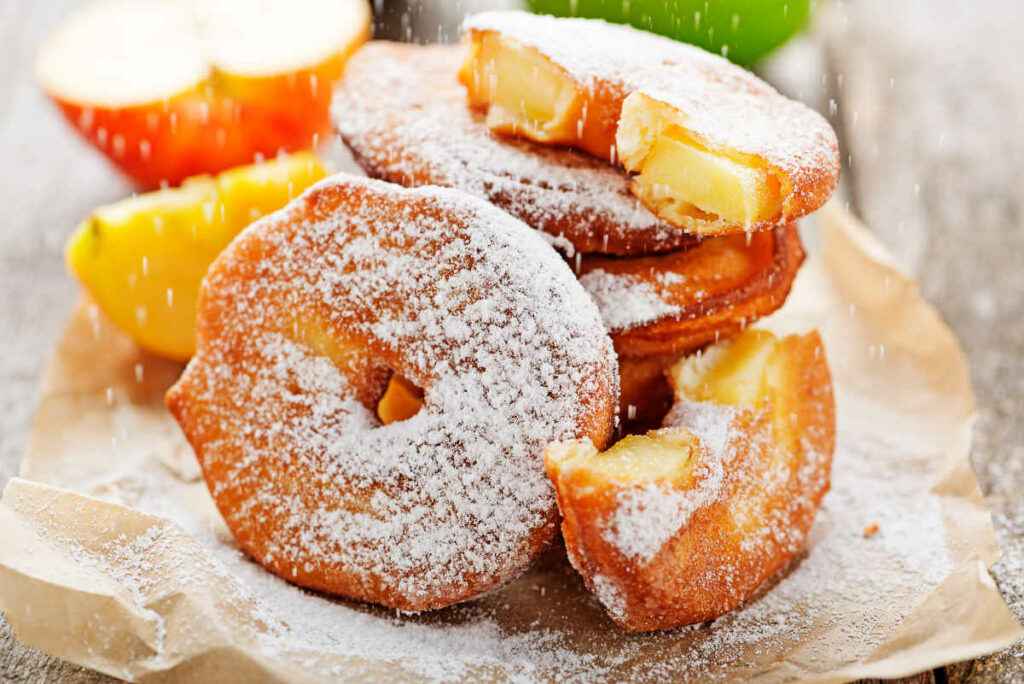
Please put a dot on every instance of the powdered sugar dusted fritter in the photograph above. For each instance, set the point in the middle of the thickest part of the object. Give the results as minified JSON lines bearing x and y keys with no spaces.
{"x":725,"y":107}
{"x":402,"y":112}
{"x":678,"y":302}
{"x":701,"y":539}
{"x":302,"y":320}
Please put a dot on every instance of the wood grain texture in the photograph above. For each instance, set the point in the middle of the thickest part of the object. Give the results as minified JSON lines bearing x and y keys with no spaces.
{"x":949,"y":121}
{"x":50,"y":181}
{"x":930,"y":95}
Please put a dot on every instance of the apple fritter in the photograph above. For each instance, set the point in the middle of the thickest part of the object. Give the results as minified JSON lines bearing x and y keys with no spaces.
{"x":688,"y":522}
{"x":714,"y":149}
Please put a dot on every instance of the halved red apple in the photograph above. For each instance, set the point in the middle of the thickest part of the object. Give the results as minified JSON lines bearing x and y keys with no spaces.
{"x":168,"y":89}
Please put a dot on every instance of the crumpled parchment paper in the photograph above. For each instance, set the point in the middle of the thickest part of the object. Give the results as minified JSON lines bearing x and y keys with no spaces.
{"x":113,"y":556}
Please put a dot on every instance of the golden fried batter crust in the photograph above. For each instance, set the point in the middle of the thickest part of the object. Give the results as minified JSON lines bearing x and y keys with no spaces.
{"x":303,"y":319}
{"x":673,"y":304}
{"x":694,"y":541}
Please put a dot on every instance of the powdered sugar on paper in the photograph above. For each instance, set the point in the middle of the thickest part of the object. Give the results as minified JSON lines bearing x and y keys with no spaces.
{"x":834,"y":589}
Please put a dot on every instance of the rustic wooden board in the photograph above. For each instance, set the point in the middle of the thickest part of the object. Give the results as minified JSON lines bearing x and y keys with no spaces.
{"x":950,"y":122}
{"x":930,"y":97}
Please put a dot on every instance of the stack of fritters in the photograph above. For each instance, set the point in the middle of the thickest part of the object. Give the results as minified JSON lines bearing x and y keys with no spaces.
{"x":670,"y":180}
{"x":663,"y":289}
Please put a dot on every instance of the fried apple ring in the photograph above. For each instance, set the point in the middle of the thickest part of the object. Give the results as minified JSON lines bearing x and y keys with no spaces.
{"x":686,"y":523}
{"x":402,"y":113}
{"x":303,"y":319}
{"x":676,"y":303}
{"x":714,"y":149}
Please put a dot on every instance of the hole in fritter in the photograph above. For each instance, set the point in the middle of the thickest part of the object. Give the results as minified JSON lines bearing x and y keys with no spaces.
{"x":401,"y":400}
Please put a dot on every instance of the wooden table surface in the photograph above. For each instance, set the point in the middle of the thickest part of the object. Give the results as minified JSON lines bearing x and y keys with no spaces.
{"x":928,"y":96}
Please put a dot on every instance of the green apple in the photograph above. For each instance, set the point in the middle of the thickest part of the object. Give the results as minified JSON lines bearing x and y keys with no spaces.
{"x":742,"y":30}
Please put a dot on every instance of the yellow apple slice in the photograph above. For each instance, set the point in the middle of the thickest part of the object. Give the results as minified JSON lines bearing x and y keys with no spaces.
{"x":685,"y":182}
{"x":524,"y":92}
{"x":142,"y":259}
{"x":168,"y":89}
{"x":659,"y":455}
{"x":731,"y":373}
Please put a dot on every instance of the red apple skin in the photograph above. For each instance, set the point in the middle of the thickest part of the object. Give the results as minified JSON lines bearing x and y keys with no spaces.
{"x":224,"y":122}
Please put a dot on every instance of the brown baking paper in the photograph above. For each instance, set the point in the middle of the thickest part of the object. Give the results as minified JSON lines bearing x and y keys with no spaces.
{"x":114,"y":557}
